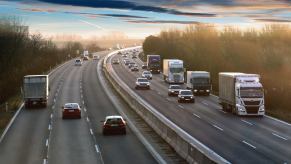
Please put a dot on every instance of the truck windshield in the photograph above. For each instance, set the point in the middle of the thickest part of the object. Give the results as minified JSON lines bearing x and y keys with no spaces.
{"x":176,"y":70}
{"x":200,"y":80}
{"x":251,"y":92}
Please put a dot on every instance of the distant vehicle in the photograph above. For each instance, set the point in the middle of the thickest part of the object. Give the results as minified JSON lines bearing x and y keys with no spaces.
{"x":124,"y":55}
{"x":126,"y":62}
{"x":96,"y":57}
{"x":86,"y":53}
{"x":144,"y":66}
{"x":186,"y":96}
{"x":199,"y":82}
{"x":114,"y":124}
{"x":115,"y":61}
{"x":131,"y":64}
{"x":35,"y":90}
{"x":134,"y":56}
{"x":119,"y":53}
{"x":241,"y":93}
{"x":86,"y":58}
{"x":134,"y":68}
{"x":71,"y":110}
{"x":142,"y":83}
{"x":173,"y":71}
{"x":147,"y":74}
{"x":173,"y":90}
{"x":78,"y":62}
{"x":154,"y":63}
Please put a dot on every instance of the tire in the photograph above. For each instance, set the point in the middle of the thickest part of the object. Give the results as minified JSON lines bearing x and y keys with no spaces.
{"x":136,"y":87}
{"x":179,"y":101}
{"x":104,"y":132}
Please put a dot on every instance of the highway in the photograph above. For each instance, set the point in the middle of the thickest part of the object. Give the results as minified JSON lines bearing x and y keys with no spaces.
{"x":42,"y":136}
{"x":237,"y":139}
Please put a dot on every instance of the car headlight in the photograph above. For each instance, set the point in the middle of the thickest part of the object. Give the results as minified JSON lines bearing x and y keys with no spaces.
{"x":148,"y":83}
{"x":151,"y":70}
{"x":207,"y":90}
{"x":182,"y":97}
{"x":172,"y":91}
{"x":191,"y":97}
{"x":195,"y":90}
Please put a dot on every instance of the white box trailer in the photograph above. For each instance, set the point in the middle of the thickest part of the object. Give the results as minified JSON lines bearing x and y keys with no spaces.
{"x":199,"y":82}
{"x":241,"y":93}
{"x":35,"y":90}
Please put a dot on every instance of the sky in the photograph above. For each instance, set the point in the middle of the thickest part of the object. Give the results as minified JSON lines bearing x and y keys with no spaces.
{"x":140,"y":18}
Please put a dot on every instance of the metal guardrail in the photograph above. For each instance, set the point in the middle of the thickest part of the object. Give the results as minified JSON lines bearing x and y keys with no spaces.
{"x":185,"y":145}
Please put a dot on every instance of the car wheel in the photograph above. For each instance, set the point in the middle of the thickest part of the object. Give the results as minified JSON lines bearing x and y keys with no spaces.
{"x":179,"y":101}
{"x":136,"y":87}
{"x":104,"y":133}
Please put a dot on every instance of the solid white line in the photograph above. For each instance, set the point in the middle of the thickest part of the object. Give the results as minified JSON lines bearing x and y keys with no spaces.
{"x":280,"y":136}
{"x":196,"y":115}
{"x":247,"y":122}
{"x":46,"y":143}
{"x":87,"y":119}
{"x":91,"y":131}
{"x":203,"y":102}
{"x":283,"y":122}
{"x":219,"y":128}
{"x":44,"y":161}
{"x":222,"y":111}
{"x":181,"y":106}
{"x":252,"y":146}
{"x":96,"y":148}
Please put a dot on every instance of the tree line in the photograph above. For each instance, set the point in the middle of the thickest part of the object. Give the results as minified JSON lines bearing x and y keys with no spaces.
{"x":265,"y":51}
{"x":22,"y":54}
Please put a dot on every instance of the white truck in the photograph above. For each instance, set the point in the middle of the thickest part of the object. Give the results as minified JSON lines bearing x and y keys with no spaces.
{"x":199,"y":82}
{"x":173,"y":71}
{"x":35,"y":90}
{"x":241,"y":93}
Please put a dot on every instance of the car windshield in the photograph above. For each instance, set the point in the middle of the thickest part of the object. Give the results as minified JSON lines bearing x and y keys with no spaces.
{"x":175,"y":87}
{"x":186,"y":93}
{"x":114,"y":121}
{"x":251,"y":92}
{"x":142,"y":80}
{"x":78,"y":60}
{"x":147,"y":73}
{"x":71,"y":106}
{"x":176,"y":70}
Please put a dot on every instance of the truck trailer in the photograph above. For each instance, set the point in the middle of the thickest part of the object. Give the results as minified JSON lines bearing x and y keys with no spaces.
{"x":241,"y":93}
{"x":199,"y":82}
{"x":35,"y":90}
{"x":154,"y":63}
{"x":173,"y":71}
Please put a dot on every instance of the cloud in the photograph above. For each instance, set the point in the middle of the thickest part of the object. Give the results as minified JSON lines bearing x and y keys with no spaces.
{"x":273,"y":20}
{"x":118,"y":4}
{"x":162,"y":22}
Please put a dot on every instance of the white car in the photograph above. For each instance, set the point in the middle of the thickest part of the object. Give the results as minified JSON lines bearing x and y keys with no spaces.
{"x":147,"y":74}
{"x":78,"y":62}
{"x":142,"y":83}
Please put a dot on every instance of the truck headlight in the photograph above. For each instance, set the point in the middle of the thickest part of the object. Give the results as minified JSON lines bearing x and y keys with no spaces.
{"x":195,"y":90}
{"x":262,"y":108}
{"x":172,"y":91}
{"x":207,"y":90}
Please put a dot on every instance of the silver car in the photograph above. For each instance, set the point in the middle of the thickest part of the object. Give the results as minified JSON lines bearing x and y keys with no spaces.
{"x":142,"y":83}
{"x":147,"y":74}
{"x":173,"y":90}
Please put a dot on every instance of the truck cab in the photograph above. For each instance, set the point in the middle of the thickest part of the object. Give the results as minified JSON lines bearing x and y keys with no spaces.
{"x":199,"y":82}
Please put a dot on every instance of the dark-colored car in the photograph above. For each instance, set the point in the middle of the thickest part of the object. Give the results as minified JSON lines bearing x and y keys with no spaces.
{"x":115,"y":61}
{"x":114,"y":124}
{"x":134,"y":68}
{"x":144,"y":67}
{"x":186,"y":96}
{"x":131,"y":64}
{"x":71,"y":110}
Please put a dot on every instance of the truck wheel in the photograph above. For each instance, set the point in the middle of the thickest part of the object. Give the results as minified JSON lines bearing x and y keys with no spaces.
{"x":234,"y":111}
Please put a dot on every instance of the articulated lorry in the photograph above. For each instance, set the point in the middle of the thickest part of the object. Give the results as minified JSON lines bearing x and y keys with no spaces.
{"x":35,"y":90}
{"x":173,"y":71}
{"x":154,"y":63}
{"x":199,"y":82}
{"x":241,"y":93}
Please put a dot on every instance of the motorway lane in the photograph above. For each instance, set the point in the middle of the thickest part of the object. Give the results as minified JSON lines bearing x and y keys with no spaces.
{"x":121,"y":149}
{"x":25,"y":140}
{"x":70,"y":140}
{"x":233,"y":144}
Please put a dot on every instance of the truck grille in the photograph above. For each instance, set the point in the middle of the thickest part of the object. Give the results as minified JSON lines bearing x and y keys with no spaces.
{"x":252,"y":102}
{"x":176,"y":78}
{"x":252,"y":110}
